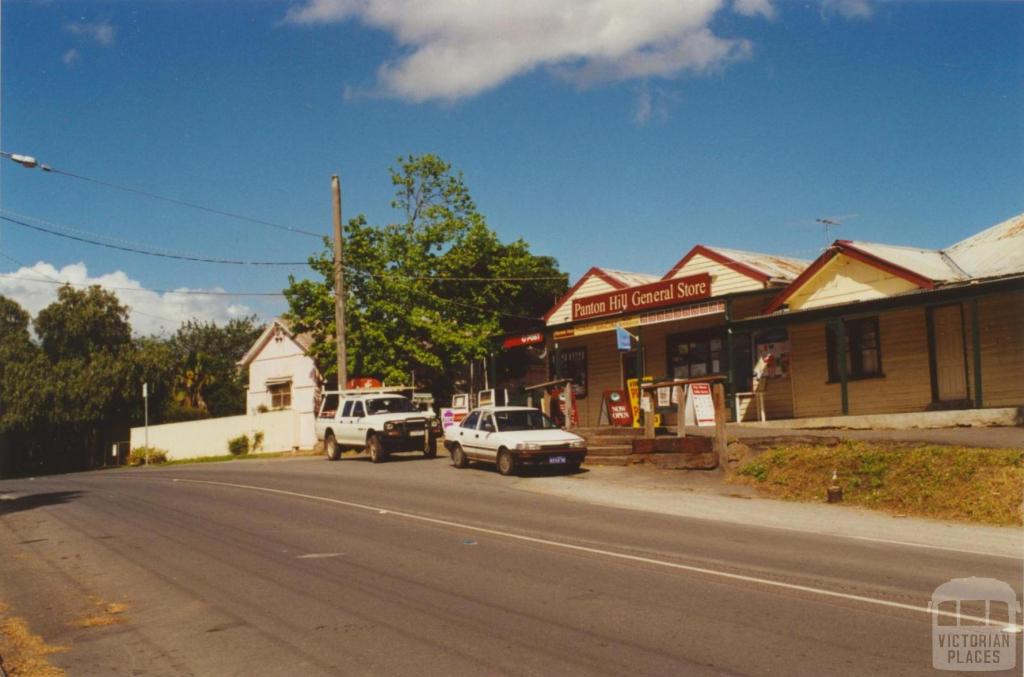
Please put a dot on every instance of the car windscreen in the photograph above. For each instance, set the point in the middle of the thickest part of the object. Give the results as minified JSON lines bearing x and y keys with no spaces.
{"x":388,"y":405}
{"x":523,"y":420}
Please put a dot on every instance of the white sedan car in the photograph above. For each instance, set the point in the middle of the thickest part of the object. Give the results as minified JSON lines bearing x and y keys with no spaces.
{"x":512,"y":438}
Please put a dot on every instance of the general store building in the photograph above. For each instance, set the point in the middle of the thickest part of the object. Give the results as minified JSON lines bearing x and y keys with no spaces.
{"x":680,"y":319}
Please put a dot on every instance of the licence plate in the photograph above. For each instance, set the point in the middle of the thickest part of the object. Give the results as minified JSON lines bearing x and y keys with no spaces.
{"x":415,"y":433}
{"x":556,"y":459}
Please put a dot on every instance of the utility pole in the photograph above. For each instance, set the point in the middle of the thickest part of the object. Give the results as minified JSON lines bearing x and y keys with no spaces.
{"x":339,"y":286}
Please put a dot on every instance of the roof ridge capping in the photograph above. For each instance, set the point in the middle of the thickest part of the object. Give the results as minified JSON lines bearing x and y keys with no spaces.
{"x":762,"y":267}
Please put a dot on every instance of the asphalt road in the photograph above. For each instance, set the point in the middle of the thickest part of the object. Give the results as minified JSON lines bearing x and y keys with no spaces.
{"x":306,"y":567}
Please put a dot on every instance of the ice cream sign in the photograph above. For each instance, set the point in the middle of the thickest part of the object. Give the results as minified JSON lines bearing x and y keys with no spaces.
{"x":653,"y":295}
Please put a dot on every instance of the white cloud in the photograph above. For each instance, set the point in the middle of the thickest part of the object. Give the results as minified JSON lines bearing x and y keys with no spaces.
{"x":70,"y":57}
{"x":848,"y":9}
{"x":454,"y":49}
{"x":754,"y":8}
{"x":100,"y":32}
{"x":150,"y":312}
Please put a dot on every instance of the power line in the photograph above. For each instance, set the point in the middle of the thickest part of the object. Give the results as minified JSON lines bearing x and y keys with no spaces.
{"x":172,"y":200}
{"x":148,"y":252}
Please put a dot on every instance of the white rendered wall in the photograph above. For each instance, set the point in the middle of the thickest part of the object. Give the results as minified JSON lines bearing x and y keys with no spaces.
{"x":282,"y":431}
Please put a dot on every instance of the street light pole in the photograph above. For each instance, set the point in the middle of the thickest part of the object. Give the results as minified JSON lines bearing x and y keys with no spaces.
{"x":339,"y":286}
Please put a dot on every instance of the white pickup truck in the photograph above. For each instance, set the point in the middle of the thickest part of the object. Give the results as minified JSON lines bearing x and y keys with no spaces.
{"x":380,"y":420}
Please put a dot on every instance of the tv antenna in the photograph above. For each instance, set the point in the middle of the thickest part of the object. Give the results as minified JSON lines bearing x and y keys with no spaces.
{"x":829,"y":224}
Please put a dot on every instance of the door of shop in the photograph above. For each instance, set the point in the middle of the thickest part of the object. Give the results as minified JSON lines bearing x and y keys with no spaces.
{"x":950,"y":372}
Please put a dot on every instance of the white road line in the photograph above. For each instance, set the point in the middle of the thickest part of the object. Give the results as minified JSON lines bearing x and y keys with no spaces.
{"x":597,"y":551}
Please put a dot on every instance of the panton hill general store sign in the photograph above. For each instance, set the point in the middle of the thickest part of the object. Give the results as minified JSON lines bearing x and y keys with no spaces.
{"x":653,"y":295}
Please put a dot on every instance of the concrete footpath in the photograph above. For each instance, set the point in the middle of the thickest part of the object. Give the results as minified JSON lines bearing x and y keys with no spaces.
{"x":706,"y":495}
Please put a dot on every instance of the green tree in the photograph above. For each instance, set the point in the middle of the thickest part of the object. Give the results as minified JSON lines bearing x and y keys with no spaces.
{"x":206,"y":355}
{"x":427,"y":294}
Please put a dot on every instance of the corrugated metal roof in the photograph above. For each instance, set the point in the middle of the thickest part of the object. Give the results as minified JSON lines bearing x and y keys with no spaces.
{"x":995,"y":251}
{"x":630,"y":279}
{"x":775,"y":267}
{"x":928,"y":263}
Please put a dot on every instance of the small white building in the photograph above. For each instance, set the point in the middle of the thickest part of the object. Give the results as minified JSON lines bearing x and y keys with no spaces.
{"x":283,"y":376}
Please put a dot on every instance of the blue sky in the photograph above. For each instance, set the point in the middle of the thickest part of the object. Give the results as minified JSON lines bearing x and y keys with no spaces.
{"x":618,"y":134}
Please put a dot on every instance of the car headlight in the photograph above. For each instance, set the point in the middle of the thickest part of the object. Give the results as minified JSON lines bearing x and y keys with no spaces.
{"x":578,"y":444}
{"x":389,"y":426}
{"x":527,"y":446}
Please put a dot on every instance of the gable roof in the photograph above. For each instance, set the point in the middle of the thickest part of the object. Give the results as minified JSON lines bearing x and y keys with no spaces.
{"x":764,"y":268}
{"x":993,"y":252}
{"x":304,"y":340}
{"x":617,"y":279}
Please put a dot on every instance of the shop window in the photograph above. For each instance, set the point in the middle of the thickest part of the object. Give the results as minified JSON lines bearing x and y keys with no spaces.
{"x":280,"y":395}
{"x":863,"y":349}
{"x":572,"y":363}
{"x":696,"y":354}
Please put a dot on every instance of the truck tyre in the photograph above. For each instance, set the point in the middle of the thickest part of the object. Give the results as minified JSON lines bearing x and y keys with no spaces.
{"x":459,"y":459}
{"x":506,"y":462}
{"x":376,"y":449}
{"x":431,"y":449}
{"x":331,"y":448}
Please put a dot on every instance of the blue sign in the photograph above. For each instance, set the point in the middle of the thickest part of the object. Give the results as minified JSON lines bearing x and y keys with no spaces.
{"x":622,"y":339}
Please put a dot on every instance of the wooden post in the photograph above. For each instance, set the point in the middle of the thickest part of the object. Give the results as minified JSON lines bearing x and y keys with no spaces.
{"x":648,"y":415}
{"x":680,"y":397}
{"x":570,"y":402}
{"x":976,"y":351}
{"x":718,"y":397}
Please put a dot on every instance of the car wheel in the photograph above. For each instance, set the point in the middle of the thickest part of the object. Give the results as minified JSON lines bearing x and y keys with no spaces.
{"x":376,"y":450}
{"x":506,"y":463}
{"x":459,"y":458}
{"x":331,"y":447}
{"x":431,"y":450}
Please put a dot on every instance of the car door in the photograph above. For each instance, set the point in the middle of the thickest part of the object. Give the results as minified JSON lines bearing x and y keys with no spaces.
{"x":487,"y":438}
{"x":466,"y":432}
{"x":355,"y":429}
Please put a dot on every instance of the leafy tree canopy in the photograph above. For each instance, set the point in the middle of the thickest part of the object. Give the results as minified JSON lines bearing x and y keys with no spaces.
{"x":427,"y":294}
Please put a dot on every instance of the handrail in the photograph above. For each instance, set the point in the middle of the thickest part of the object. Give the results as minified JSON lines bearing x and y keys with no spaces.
{"x":680,"y":382}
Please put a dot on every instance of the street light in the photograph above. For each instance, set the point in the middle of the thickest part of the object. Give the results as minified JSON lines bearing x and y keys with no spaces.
{"x":25,"y":161}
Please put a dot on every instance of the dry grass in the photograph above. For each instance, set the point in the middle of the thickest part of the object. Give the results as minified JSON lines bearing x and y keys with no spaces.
{"x":110,"y":615}
{"x":24,"y":654}
{"x":945,"y":482}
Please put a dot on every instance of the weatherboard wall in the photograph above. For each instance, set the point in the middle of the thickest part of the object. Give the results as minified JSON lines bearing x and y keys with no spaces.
{"x":846,"y":280}
{"x":1001,"y":320}
{"x":724,"y":280}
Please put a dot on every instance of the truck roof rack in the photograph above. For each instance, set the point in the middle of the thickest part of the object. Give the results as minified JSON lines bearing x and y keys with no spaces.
{"x":371,"y":391}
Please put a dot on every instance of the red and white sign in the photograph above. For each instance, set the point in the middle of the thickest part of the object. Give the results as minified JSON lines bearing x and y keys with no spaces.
{"x":653,"y":295}
{"x":522,"y":340}
{"x":618,"y":407}
{"x":703,"y":404}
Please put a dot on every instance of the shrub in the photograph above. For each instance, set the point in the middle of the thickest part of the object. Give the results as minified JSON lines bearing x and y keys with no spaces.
{"x":139,"y":455}
{"x":257,"y":441}
{"x":238,"y":446}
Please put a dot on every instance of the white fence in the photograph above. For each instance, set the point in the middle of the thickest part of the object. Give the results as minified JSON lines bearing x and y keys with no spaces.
{"x":282,"y":431}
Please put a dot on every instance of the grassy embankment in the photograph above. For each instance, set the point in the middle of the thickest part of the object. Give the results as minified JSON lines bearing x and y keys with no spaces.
{"x":927,"y":480}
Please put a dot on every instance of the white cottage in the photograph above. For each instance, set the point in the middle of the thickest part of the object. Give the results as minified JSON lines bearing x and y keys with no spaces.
{"x":283,"y":376}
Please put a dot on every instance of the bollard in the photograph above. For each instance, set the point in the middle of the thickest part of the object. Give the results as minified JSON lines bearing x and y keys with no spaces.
{"x":835,"y":492}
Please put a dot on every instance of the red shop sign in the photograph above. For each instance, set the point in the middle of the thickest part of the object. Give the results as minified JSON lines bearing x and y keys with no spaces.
{"x":523,"y":340}
{"x":653,"y":295}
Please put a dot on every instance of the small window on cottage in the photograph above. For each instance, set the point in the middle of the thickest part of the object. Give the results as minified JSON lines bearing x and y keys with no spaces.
{"x":280,"y":395}
{"x":863,"y":349}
